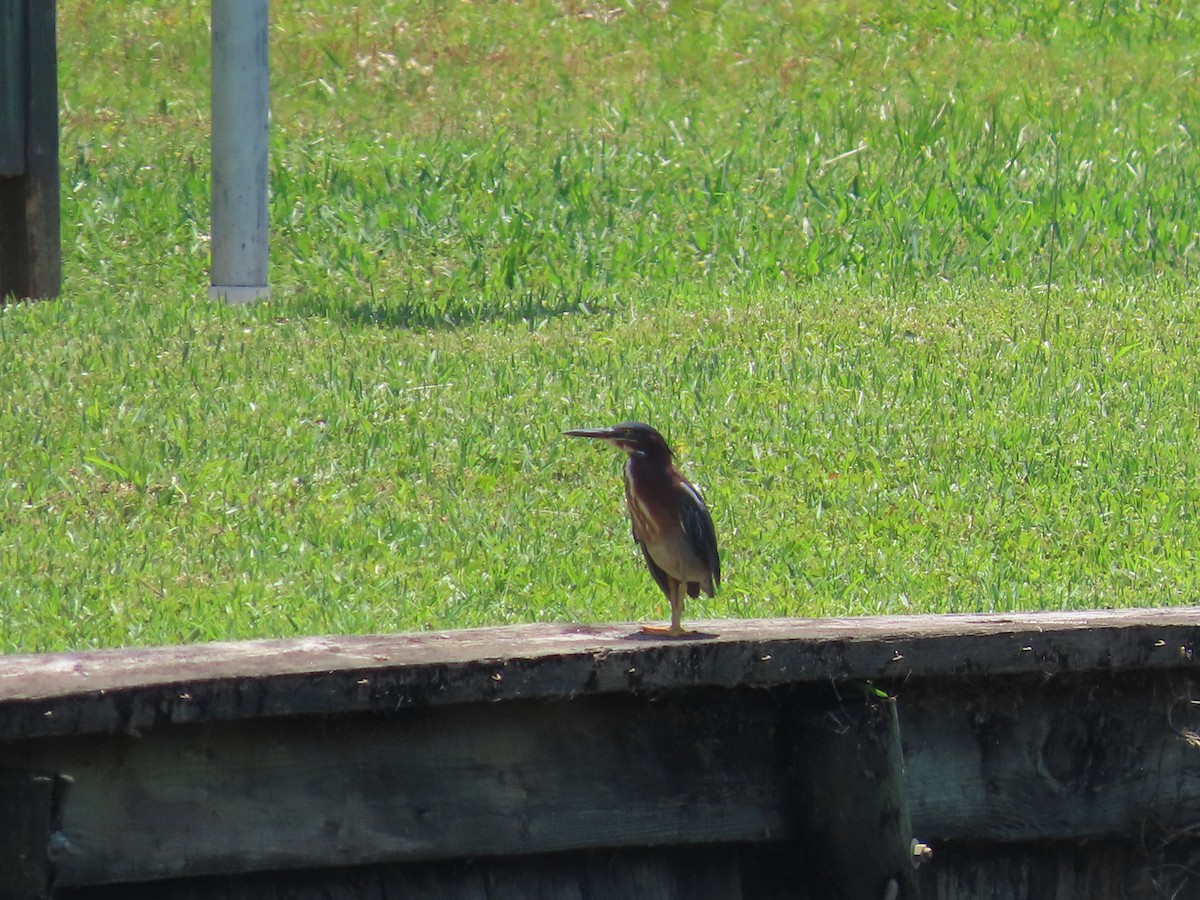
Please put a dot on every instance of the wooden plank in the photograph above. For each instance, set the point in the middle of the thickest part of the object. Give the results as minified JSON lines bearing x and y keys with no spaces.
{"x":1072,"y":758}
{"x":545,"y":882}
{"x":137,"y":690}
{"x":27,"y":815}
{"x":1096,"y":870}
{"x":682,"y":874}
{"x":458,"y":881}
{"x":710,"y":873}
{"x":452,"y":782}
{"x":1093,"y":870}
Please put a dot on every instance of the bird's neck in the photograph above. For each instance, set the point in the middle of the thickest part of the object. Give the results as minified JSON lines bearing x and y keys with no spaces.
{"x":642,"y":461}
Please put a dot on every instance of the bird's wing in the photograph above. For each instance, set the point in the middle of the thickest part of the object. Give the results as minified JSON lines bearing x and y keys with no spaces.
{"x":660,"y":576}
{"x":698,"y":526}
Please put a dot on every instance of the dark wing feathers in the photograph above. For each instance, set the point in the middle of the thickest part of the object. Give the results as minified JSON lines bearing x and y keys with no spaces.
{"x":698,"y":526}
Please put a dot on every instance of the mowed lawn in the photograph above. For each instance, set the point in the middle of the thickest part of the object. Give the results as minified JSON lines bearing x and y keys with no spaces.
{"x":908,"y":287}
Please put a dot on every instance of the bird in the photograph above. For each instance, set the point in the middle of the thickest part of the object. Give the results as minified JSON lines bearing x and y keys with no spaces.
{"x":671,"y":523}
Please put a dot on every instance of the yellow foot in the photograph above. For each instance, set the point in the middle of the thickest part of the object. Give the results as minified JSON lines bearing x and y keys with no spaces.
{"x":668,"y":630}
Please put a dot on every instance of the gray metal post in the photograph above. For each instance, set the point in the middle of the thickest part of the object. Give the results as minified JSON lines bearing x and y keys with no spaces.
{"x":239,"y":150}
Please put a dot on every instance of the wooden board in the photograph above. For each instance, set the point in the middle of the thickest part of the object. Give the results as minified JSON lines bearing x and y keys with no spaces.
{"x":710,"y":873}
{"x":422,"y":784}
{"x":136,"y":690}
{"x":1096,"y":870}
{"x":1092,"y":870}
{"x":1075,"y":758}
{"x":26,"y":819}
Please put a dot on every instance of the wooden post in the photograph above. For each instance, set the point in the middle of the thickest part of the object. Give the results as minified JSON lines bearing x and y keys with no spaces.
{"x":851,"y":806}
{"x":30,"y":248}
{"x":30,"y":805}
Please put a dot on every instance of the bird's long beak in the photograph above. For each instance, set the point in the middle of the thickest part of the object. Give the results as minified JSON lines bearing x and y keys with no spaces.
{"x":601,"y":434}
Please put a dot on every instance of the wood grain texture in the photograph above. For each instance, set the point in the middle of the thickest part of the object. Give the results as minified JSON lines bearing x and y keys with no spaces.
{"x":1094,"y":870}
{"x":26,"y":822}
{"x":422,"y":784}
{"x":1073,"y":758}
{"x":850,"y":808}
{"x":710,"y":873}
{"x":136,"y":690}
{"x":1067,"y":870}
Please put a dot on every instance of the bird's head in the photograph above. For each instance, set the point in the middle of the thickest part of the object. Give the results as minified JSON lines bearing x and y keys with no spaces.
{"x":634,"y":438}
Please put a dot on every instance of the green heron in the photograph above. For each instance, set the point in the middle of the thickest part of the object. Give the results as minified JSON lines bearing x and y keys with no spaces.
{"x":670,"y":521}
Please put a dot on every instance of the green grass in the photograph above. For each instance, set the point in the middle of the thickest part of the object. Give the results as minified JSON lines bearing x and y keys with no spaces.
{"x":907,"y":287}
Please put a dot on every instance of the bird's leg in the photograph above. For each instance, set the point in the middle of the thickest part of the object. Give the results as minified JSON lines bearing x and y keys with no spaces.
{"x":676,"y":608}
{"x":675,"y":629}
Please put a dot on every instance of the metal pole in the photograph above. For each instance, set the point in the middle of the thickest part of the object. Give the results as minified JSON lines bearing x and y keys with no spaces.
{"x":239,"y":150}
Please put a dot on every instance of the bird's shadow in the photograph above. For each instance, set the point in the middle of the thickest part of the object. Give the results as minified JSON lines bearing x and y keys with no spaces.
{"x":643,"y":635}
